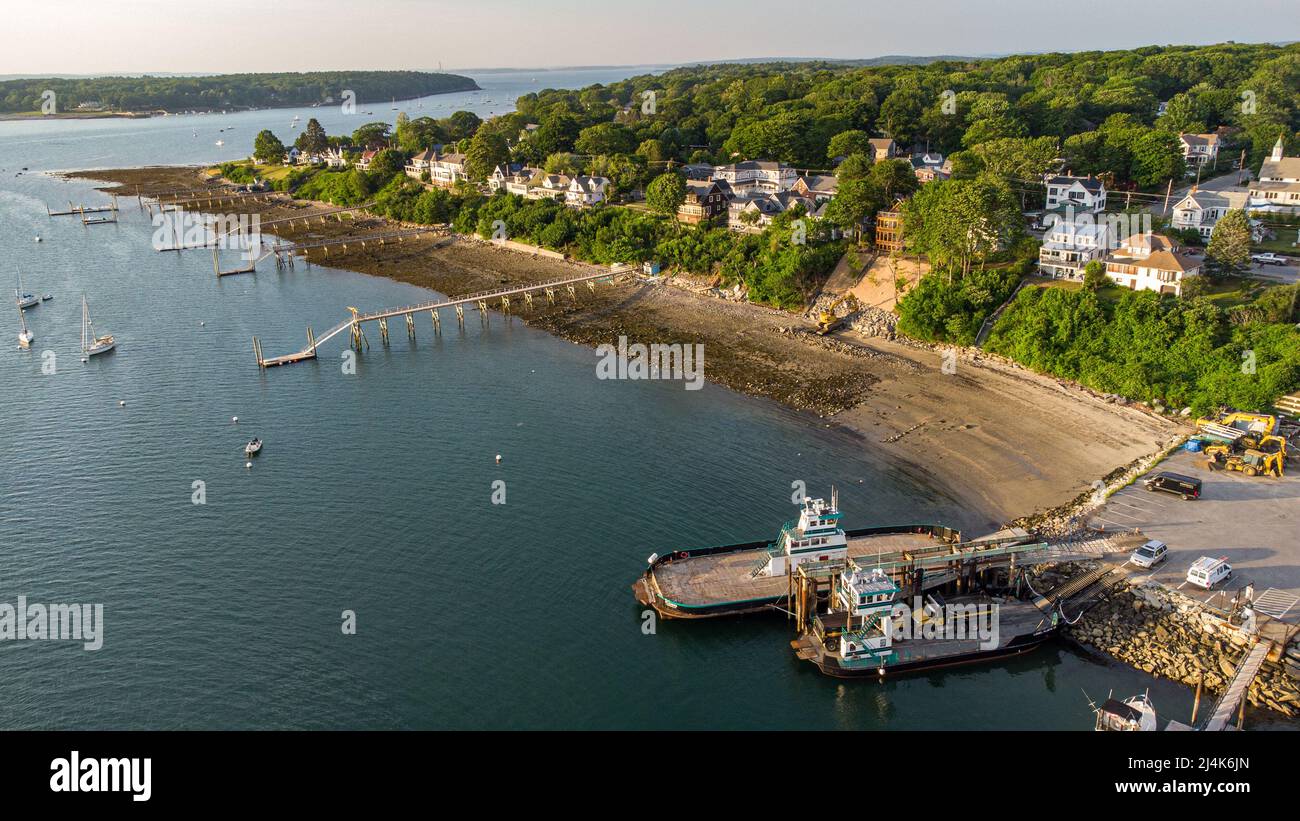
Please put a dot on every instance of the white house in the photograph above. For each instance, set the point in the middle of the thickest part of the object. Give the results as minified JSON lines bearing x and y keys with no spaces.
{"x":1200,"y":210}
{"x":1150,"y":262}
{"x":1199,"y":149}
{"x":763,"y":175}
{"x":419,"y":165}
{"x":335,"y":158}
{"x":1069,"y":246}
{"x":1083,"y":193}
{"x":513,"y":177}
{"x":584,"y":190}
{"x":1278,"y":186}
{"x":764,"y":205}
{"x":366,"y":157}
{"x":550,"y":186}
{"x":447,"y":169}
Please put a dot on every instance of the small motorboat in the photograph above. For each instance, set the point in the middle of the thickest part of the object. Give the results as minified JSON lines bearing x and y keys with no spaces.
{"x":1136,"y":713}
{"x":253,"y":448}
{"x":47,"y":297}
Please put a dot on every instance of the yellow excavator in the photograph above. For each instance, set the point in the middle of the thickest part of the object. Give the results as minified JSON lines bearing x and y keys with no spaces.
{"x":828,"y":321}
{"x":1261,"y":456}
{"x":1251,"y":422}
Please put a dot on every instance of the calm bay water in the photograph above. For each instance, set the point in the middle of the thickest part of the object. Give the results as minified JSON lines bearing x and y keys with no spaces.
{"x":373,"y":495}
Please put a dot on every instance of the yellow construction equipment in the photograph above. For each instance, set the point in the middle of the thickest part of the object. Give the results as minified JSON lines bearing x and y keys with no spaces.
{"x":828,"y":321}
{"x":1264,"y":457}
{"x":1250,"y":422}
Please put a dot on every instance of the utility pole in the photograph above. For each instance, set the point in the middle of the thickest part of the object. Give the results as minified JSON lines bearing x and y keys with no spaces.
{"x":1168,"y":193}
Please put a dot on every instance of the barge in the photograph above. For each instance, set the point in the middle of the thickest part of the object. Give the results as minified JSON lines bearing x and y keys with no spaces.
{"x":749,"y":577}
{"x":866,"y":631}
{"x":757,"y":576}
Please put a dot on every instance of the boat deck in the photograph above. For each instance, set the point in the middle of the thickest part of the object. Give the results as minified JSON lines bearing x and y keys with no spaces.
{"x":726,"y":577}
{"x":1014,"y":619}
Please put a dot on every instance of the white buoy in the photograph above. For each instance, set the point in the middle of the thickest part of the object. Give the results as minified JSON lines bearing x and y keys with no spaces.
{"x":201,"y":324}
{"x":235,"y":419}
{"x":121,"y":403}
{"x":498,"y":458}
{"x":83,"y":360}
{"x":38,"y":239}
{"x":248,"y":465}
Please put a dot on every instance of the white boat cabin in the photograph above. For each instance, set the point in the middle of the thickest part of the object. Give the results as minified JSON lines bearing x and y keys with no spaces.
{"x":816,"y":536}
{"x":869,"y":595}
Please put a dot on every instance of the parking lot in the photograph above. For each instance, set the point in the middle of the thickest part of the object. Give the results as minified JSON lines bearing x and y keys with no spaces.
{"x":1252,"y":521}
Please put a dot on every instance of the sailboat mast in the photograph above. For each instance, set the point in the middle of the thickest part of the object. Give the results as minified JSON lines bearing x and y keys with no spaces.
{"x":85,"y":320}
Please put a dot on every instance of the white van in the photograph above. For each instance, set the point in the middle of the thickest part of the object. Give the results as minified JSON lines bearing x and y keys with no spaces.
{"x":1206,"y":572}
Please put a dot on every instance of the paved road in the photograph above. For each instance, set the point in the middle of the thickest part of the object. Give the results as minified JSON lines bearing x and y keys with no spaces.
{"x":1254,"y":522}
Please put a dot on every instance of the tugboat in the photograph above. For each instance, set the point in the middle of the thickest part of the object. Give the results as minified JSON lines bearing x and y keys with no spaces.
{"x":864,"y":632}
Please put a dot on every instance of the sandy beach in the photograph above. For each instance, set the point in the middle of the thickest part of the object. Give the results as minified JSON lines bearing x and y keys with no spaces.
{"x":1004,"y":441}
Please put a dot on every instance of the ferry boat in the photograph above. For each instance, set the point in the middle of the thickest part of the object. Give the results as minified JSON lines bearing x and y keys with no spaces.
{"x":865,"y":631}
{"x":750,"y":577}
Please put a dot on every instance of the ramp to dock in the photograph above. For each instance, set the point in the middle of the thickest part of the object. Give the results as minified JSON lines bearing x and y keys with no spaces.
{"x":1231,"y":698}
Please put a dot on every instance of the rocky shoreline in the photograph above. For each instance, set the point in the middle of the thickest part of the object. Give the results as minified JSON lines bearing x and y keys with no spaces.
{"x":1166,"y":634}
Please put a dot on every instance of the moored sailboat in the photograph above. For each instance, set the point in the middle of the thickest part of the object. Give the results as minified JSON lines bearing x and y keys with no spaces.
{"x":22,"y":298}
{"x":25,"y":336}
{"x":91,"y":344}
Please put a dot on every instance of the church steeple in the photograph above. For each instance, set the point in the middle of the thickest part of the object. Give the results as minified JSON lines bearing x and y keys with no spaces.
{"x":1277,"y":150}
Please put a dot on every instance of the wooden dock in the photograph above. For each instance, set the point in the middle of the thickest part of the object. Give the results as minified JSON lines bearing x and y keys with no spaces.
{"x":1235,"y":694}
{"x":82,"y":210}
{"x":483,"y":301}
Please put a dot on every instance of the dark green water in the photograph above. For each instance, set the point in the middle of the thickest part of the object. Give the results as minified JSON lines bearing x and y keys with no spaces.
{"x":373,"y":494}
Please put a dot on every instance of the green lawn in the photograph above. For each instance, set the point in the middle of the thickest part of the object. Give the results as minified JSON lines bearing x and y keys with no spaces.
{"x":1227,"y":294}
{"x":1284,"y":244}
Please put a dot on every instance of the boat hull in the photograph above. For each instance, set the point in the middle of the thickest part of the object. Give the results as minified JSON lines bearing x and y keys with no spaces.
{"x":1018,"y":646}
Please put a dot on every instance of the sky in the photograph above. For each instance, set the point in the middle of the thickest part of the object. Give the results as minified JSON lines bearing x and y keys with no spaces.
{"x":140,"y":36}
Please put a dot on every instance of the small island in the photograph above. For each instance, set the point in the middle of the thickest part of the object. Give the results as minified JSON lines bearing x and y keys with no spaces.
{"x":91,"y":97}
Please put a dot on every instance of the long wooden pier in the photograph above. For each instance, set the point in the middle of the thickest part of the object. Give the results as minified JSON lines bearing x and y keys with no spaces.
{"x":482,"y":301}
{"x":1235,"y":693}
{"x":83,"y":210}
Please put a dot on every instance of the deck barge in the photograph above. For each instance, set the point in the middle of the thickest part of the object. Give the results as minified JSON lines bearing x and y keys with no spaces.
{"x":755,"y":576}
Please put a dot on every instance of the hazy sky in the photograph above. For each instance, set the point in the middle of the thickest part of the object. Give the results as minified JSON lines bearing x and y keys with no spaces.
{"x":131,"y":36}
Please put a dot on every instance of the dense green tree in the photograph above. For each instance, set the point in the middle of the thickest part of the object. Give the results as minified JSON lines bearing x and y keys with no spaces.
{"x":1094,"y":275}
{"x":487,"y":149}
{"x":606,"y":138}
{"x":267,"y":147}
{"x":1229,"y":247}
{"x":313,"y":139}
{"x":387,"y":164}
{"x":848,"y":143}
{"x":666,"y":193}
{"x":371,"y":135}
